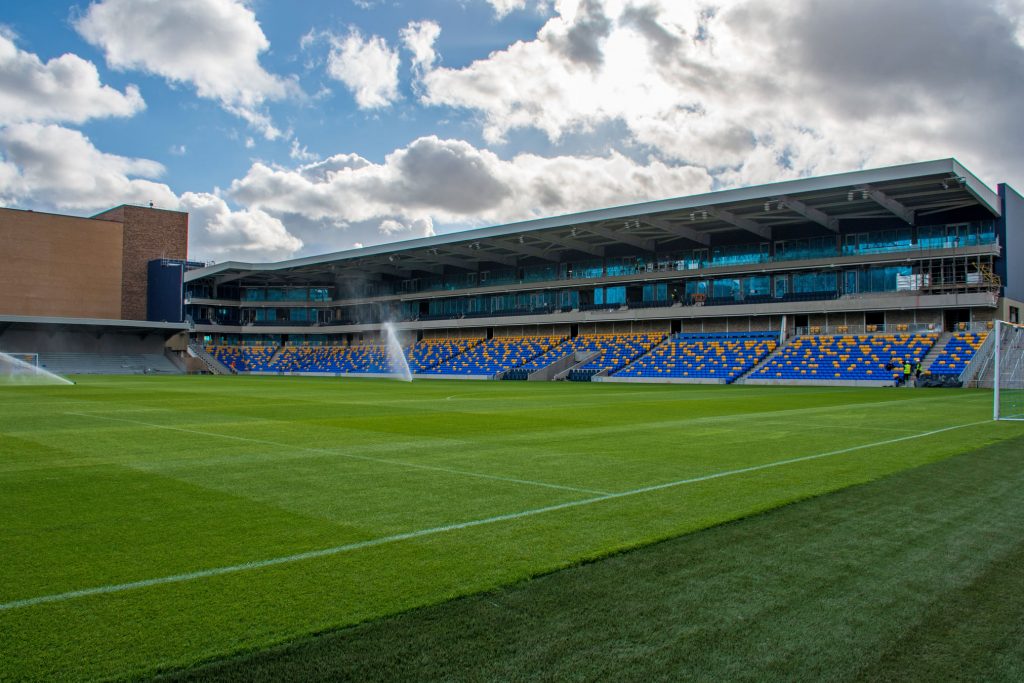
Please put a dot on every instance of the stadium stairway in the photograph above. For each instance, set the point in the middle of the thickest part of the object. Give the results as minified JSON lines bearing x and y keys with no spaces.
{"x":936,"y":350}
{"x":957,"y":353}
{"x":614,"y":352}
{"x":699,"y":358}
{"x":215,"y":366}
{"x":742,"y":379}
{"x":494,"y":357}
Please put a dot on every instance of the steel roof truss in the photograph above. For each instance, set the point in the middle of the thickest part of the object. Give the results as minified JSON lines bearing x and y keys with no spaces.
{"x":810,"y":213}
{"x":887,"y":202}
{"x":762,"y":231}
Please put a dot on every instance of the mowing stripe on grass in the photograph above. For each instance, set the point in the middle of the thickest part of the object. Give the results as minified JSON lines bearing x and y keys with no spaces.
{"x":327,"y":552}
{"x":352,"y":456}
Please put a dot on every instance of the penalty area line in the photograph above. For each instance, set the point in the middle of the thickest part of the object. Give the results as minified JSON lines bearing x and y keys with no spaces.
{"x":384,"y":540}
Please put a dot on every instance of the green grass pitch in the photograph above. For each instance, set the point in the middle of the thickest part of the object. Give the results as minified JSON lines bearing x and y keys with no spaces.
{"x":150,"y":524}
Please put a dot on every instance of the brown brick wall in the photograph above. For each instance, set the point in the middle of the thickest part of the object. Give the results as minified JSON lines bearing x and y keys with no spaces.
{"x":148,"y":234}
{"x":59,"y":266}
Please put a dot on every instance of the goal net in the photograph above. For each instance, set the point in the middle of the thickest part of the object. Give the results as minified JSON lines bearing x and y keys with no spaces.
{"x":1008,"y":378}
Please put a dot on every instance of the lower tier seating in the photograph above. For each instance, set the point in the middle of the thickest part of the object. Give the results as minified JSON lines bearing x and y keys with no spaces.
{"x":957,"y":353}
{"x":496,"y":355}
{"x":846,"y":357}
{"x":614,"y":351}
{"x":723,"y":356}
{"x":427,"y":354}
{"x":243,"y":358}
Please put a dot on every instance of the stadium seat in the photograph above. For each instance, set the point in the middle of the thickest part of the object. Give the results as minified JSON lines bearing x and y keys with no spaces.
{"x":957,"y":353}
{"x":846,"y":357}
{"x":723,"y":356}
{"x":497,"y":355}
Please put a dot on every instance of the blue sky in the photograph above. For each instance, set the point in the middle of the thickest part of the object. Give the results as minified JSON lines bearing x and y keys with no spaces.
{"x":291,"y":128}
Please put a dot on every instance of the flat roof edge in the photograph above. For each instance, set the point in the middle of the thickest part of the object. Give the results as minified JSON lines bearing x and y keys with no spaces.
{"x":975,"y":186}
{"x":92,"y":322}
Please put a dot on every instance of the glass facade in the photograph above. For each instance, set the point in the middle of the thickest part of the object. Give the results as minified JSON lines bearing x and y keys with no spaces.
{"x":296,"y":305}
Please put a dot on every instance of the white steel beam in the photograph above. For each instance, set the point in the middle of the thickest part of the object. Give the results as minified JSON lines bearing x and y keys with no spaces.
{"x":678,"y":230}
{"x":762,"y":231}
{"x":810,"y":213}
{"x":887,"y":202}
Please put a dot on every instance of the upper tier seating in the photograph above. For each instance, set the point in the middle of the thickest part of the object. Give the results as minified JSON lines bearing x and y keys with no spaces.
{"x":427,"y":354}
{"x":243,"y":358}
{"x":846,"y":357}
{"x":957,"y":353}
{"x":614,"y":351}
{"x":723,"y":356}
{"x":496,"y":355}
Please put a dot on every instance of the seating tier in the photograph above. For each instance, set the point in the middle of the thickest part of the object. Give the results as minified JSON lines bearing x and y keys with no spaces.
{"x":614,"y":351}
{"x":846,"y":357}
{"x":957,"y":353}
{"x":496,"y":355}
{"x":721,"y":356}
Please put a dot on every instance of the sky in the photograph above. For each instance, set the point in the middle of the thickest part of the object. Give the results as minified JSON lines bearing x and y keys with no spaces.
{"x":289,"y":128}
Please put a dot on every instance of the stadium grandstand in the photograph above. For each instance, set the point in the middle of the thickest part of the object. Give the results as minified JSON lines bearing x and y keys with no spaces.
{"x":823,"y":280}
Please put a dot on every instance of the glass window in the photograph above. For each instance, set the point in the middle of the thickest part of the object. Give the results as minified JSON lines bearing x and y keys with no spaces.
{"x":615,"y":295}
{"x":781,"y":286}
{"x":813,"y":282}
{"x":813,"y":247}
{"x":728,"y":288}
{"x":759,"y":285}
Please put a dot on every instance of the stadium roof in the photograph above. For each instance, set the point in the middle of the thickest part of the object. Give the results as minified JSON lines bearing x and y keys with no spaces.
{"x":909,"y":192}
{"x":88,"y":324}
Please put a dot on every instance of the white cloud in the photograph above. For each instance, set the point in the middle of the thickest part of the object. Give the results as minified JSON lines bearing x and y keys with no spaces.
{"x":246,"y":234}
{"x":64,"y":89}
{"x":450,"y":182}
{"x":213,"y":45}
{"x":178,"y":150}
{"x":61,"y":167}
{"x":301,"y":152}
{"x":758,"y":90}
{"x":419,"y":38}
{"x":52,"y":167}
{"x":369,"y":67}
{"x":505,"y":7}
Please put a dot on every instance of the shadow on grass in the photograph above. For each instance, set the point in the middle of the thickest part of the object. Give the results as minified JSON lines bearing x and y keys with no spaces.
{"x":913,"y":577}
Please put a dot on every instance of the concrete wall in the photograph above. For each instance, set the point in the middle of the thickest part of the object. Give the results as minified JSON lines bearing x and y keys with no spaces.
{"x":57,"y":340}
{"x":60,"y":266}
{"x":148,"y":234}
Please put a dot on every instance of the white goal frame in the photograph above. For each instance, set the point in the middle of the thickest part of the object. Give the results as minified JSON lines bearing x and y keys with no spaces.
{"x":28,"y":358}
{"x":1008,"y":369}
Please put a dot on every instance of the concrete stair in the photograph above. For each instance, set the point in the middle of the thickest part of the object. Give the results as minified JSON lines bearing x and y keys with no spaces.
{"x":935,"y":351}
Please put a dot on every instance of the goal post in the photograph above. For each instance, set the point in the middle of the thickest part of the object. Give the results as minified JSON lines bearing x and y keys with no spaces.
{"x":1008,"y":377}
{"x":31,"y":359}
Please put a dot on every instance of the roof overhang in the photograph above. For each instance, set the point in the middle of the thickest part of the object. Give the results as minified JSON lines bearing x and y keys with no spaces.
{"x":909,"y":193}
{"x":90,"y":324}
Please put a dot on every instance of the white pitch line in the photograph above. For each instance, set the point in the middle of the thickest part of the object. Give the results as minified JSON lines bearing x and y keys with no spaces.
{"x":336,"y":550}
{"x":352,"y":456}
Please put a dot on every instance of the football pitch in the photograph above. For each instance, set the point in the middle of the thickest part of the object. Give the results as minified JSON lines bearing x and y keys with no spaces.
{"x":154,"y":523}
